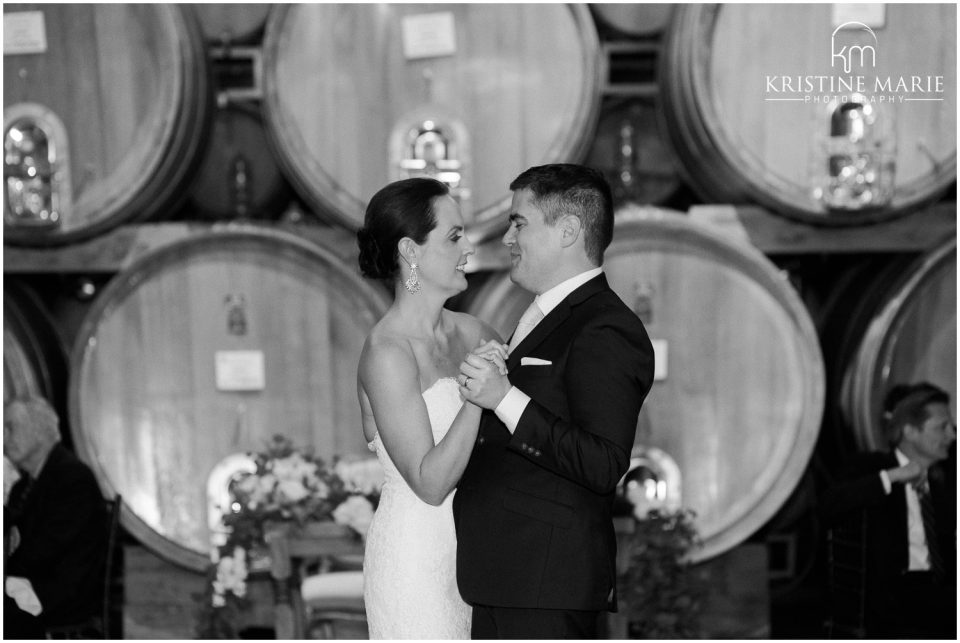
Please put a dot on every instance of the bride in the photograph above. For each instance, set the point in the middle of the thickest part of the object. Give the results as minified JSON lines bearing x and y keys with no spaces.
{"x":413,"y":416}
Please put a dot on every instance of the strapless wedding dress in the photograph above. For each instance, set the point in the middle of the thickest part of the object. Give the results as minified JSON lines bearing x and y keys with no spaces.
{"x":410,"y":565}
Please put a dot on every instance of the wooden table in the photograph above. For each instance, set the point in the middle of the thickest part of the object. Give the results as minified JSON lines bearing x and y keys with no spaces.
{"x":290,"y":545}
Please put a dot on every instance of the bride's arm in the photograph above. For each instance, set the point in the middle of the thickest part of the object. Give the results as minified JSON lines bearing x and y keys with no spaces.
{"x":389,"y":376}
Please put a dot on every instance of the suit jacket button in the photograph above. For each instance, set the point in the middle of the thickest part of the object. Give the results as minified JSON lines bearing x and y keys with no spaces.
{"x":480,"y":440}
{"x":536,"y":453}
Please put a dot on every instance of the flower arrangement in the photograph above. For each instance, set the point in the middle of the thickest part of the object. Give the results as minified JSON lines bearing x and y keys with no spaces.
{"x":287,"y":484}
{"x":663,"y":593}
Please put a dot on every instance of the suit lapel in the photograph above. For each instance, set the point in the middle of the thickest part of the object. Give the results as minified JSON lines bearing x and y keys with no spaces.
{"x":556,"y":317}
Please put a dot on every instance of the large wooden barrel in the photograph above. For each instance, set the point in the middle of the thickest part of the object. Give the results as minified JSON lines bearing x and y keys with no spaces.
{"x":34,"y":353}
{"x":739,"y":398}
{"x":634,"y":19}
{"x":749,"y":120}
{"x":120,"y":93}
{"x":357,"y":95}
{"x":232,"y":24}
{"x":207,"y":347}
{"x":632,"y":151}
{"x":238,"y":177}
{"x":911,"y":336}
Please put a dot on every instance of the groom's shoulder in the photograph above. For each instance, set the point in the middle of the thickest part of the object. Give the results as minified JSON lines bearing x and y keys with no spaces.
{"x":606,"y":308}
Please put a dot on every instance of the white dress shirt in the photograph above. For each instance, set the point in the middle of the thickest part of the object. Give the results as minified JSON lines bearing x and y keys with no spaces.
{"x":513,"y":404}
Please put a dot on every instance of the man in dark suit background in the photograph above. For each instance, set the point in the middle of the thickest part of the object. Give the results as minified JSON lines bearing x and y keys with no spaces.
{"x":909,"y":499}
{"x":535,"y":538}
{"x":55,"y":527}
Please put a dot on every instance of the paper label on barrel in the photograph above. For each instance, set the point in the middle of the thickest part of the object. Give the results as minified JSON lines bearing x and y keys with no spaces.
{"x":240,"y":371}
{"x":24,"y":32}
{"x":659,"y":359}
{"x":429,"y":34}
{"x":871,"y":14}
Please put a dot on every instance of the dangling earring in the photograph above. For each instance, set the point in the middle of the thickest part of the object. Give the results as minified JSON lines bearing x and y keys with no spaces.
{"x":412,"y":284}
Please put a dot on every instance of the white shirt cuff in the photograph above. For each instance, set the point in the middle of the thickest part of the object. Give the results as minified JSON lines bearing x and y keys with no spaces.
{"x":511,"y":407}
{"x":21,"y":590}
{"x":885,"y":479}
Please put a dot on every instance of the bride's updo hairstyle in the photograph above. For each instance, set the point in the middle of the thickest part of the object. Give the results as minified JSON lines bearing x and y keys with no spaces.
{"x":400,"y":209}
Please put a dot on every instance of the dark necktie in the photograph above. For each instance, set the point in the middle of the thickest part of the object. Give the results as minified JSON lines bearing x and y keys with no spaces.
{"x":930,"y":530}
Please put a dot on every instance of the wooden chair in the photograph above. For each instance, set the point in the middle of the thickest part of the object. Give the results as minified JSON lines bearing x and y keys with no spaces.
{"x":847,"y":577}
{"x":313,"y":606}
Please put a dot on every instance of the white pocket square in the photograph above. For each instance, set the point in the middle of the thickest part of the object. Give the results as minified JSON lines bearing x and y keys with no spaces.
{"x":534,"y":361}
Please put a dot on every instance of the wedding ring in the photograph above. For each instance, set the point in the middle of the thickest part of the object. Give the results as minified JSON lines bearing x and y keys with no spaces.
{"x":463,"y":380}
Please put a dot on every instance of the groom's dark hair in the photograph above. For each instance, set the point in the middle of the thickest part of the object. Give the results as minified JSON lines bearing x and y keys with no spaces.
{"x":565,"y":188}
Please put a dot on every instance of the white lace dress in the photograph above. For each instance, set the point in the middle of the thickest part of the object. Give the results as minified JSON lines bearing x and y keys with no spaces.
{"x":410,"y":565}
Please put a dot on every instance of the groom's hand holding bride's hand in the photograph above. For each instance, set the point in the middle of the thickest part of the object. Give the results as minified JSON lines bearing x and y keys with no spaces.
{"x":483,"y":375}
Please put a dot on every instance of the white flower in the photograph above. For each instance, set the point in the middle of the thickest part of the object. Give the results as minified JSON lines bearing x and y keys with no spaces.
{"x":291,"y":490}
{"x":355,"y":512}
{"x":363,"y":476}
{"x":294,"y":467}
{"x":320,"y":489}
{"x":232,"y":574}
{"x":248,"y":483}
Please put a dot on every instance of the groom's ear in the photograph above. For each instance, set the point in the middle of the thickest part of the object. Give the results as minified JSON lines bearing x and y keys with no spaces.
{"x":570,"y":228}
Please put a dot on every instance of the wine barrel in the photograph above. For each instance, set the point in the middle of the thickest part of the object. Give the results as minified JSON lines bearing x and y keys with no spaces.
{"x":747,"y":125}
{"x":232,"y":24}
{"x":634,"y":19}
{"x":208,"y":347}
{"x":34,"y":353}
{"x":739,"y":398}
{"x":358,"y":95}
{"x":116,"y":103}
{"x":910,"y":337}
{"x":238,"y":177}
{"x":633,"y":153}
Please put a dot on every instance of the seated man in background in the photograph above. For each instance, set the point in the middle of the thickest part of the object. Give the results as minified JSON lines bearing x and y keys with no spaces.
{"x":55,"y":527}
{"x":909,"y":496}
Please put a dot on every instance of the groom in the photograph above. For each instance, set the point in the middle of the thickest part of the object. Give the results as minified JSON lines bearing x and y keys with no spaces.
{"x":536,"y":545}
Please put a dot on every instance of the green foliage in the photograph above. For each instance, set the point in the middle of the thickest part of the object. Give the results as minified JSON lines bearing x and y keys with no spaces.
{"x":661,"y":592}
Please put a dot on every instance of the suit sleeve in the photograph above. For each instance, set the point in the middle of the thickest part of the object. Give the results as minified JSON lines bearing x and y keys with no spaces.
{"x":52,"y":562}
{"x":608,"y":374}
{"x":859,"y":487}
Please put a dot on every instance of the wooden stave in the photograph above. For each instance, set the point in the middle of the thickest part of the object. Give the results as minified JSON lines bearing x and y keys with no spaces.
{"x":873,"y":367}
{"x":128,"y":282}
{"x":270,"y":193}
{"x":337,"y":204}
{"x":498,"y":295}
{"x":717,"y":169}
{"x":156,"y":186}
{"x":34,"y":352}
{"x":657,"y":181}
{"x":634,"y":20}
{"x":232,"y":24}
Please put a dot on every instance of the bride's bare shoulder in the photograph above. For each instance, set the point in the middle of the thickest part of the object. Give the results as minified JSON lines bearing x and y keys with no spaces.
{"x":386,"y":350}
{"x":473,"y":329}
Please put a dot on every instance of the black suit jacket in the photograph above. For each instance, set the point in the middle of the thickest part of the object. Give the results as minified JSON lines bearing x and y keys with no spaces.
{"x":886,"y":544}
{"x":63,"y":532}
{"x":534,"y":509}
